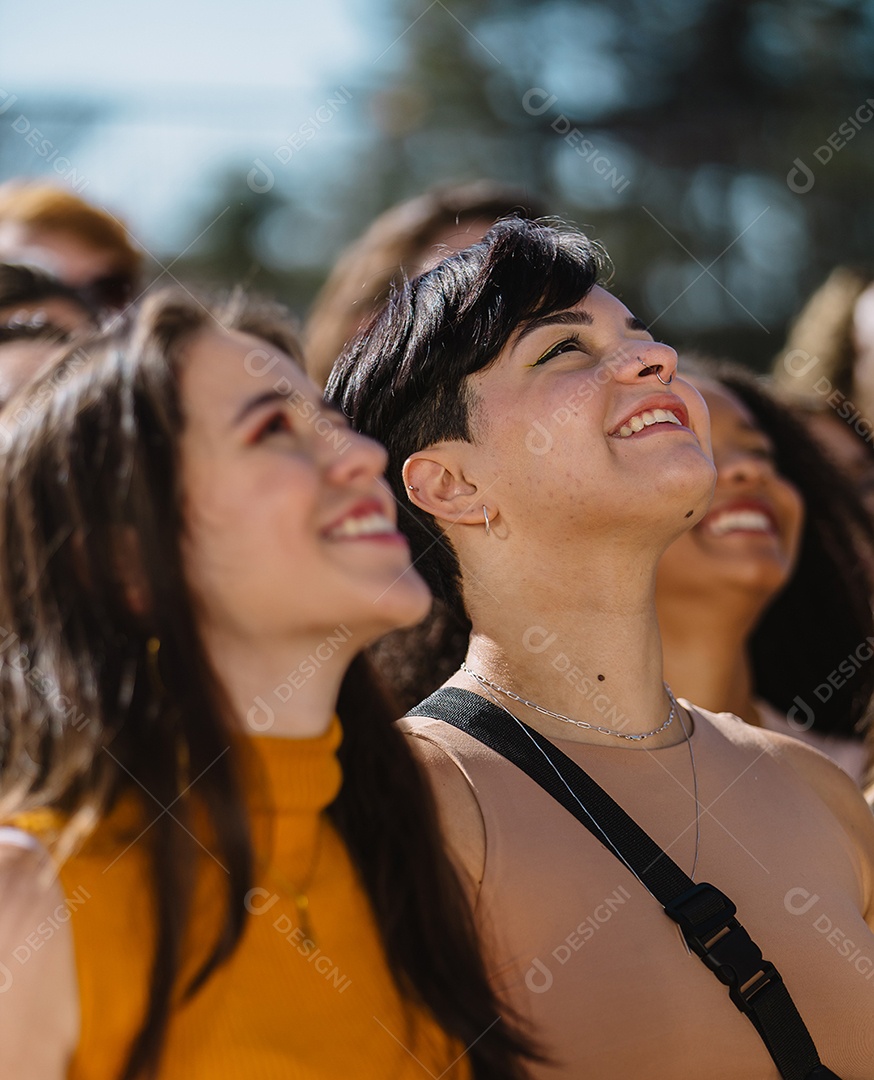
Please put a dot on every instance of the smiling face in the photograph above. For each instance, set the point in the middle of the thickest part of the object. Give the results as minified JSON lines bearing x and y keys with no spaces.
{"x":575,"y":435}
{"x":749,"y":539}
{"x":290,"y":529}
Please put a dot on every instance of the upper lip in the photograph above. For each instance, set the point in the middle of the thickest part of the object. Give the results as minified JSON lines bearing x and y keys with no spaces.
{"x":362,"y":508}
{"x":761,"y":506}
{"x":668,"y":402}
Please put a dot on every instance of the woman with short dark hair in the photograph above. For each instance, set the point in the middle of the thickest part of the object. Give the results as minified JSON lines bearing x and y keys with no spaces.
{"x":546,"y":454}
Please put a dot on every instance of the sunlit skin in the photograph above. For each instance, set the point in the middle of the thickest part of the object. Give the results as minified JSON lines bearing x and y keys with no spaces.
{"x":20,"y":360}
{"x":715,"y":581}
{"x":61,"y":313}
{"x":579,"y":515}
{"x":19,"y":363}
{"x":450,"y":238}
{"x":269,"y":475}
{"x":58,"y":251}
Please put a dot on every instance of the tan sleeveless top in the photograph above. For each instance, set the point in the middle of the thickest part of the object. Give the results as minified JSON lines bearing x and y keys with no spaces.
{"x":589,"y":958}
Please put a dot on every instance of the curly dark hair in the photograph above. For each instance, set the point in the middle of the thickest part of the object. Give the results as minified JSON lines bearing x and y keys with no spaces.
{"x":823,"y":614}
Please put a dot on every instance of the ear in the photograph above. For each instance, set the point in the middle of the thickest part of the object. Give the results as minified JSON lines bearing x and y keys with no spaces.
{"x":435,"y":482}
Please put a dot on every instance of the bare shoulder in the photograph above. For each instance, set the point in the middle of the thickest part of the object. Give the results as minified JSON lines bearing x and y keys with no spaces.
{"x":833,"y":786}
{"x":831,"y":783}
{"x":460,"y":815}
{"x":39,"y":1019}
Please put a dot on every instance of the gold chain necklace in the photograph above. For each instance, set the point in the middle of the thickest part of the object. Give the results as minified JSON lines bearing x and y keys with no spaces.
{"x":300,"y":892}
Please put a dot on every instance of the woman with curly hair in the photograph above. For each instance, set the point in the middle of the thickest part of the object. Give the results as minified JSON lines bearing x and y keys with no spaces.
{"x":764,"y":605}
{"x":826,"y":372}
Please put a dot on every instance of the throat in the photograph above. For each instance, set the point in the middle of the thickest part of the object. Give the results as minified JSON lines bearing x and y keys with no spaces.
{"x":602,"y":726}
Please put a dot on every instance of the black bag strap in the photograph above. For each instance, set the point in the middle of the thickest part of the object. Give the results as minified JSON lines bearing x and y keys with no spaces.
{"x":706,"y":916}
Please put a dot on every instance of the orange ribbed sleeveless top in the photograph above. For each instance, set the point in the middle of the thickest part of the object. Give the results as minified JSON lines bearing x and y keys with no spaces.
{"x":284,"y":1007}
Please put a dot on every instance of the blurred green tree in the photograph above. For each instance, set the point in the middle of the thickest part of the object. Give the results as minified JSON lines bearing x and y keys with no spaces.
{"x":721,"y":149}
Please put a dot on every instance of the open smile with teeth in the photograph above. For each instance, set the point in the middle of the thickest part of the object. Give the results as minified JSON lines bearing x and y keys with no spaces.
{"x":647,"y":419}
{"x":741,"y":521}
{"x":352,"y":527}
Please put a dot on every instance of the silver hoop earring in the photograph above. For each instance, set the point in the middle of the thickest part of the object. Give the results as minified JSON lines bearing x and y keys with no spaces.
{"x":488,"y":526}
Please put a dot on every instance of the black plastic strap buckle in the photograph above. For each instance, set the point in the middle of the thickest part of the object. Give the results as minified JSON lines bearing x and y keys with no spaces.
{"x":701,"y":913}
{"x":706,"y":917}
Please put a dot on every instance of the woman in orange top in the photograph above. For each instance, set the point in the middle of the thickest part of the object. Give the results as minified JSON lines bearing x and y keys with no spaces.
{"x":193,"y":551}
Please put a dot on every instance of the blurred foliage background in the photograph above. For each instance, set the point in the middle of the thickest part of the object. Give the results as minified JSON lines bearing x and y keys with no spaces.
{"x":690,"y":136}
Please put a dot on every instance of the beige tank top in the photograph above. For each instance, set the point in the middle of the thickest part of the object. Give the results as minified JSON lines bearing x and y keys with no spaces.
{"x":582,"y":951}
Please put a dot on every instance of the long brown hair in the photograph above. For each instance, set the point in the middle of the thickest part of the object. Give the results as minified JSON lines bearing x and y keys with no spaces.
{"x":92,"y":469}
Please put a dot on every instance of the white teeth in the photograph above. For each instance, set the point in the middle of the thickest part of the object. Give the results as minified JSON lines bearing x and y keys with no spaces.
{"x":737,"y":520}
{"x":647,"y":419}
{"x":375,"y":524}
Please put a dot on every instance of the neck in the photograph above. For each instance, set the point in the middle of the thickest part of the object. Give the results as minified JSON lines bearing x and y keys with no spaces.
{"x":284,"y":689}
{"x":594,"y":655}
{"x":706,"y":657}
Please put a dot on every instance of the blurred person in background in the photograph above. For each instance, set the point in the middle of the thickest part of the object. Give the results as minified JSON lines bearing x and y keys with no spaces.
{"x":38,"y":316}
{"x":402,"y":242}
{"x":89,"y":249}
{"x":826,"y":371}
{"x":764,"y":606}
{"x":250,"y":878}
{"x":548,"y":454}
{"x":32,"y":296}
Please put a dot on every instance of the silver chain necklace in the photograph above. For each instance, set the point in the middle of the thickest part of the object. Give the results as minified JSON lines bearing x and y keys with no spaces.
{"x":487,"y":685}
{"x":483,"y":681}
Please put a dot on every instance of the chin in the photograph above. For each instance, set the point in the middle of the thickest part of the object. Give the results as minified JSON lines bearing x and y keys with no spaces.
{"x":764,"y":576}
{"x":405,"y":603}
{"x":686,"y":483}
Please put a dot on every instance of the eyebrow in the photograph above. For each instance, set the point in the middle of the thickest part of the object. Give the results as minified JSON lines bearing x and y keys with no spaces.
{"x":573,"y":318}
{"x":292,"y":398}
{"x":269,"y":396}
{"x":751,"y":428}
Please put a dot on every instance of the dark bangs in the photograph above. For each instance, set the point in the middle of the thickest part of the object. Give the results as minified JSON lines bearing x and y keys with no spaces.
{"x":402,"y":380}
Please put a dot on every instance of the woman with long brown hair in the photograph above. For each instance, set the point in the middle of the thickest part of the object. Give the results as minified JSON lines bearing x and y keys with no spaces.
{"x":193,"y":551}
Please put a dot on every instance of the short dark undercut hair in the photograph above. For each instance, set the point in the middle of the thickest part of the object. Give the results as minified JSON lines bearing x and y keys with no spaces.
{"x":403,"y":379}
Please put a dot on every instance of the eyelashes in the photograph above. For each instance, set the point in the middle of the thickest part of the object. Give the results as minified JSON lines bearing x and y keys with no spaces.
{"x":568,"y":344}
{"x":277,"y":424}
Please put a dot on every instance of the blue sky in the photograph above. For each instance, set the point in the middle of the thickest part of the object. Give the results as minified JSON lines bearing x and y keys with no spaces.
{"x":186,"y":87}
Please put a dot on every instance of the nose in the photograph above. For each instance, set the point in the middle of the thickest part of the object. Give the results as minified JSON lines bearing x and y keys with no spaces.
{"x":646,"y":359}
{"x":354,"y":458}
{"x":739,"y":467}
